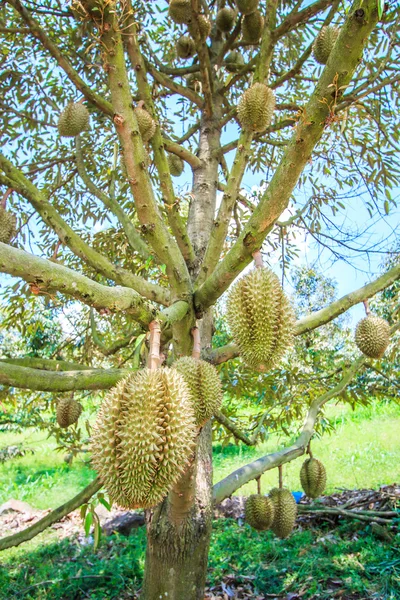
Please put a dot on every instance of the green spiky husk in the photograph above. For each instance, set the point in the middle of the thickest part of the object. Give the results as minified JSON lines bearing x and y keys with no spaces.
{"x":73,"y":120}
{"x":285,"y":512}
{"x":176,"y":165}
{"x":204,"y":384}
{"x":204,"y":27}
{"x":324,"y":43}
{"x":180,"y":11}
{"x":225,"y":19}
{"x":256,"y":108}
{"x":144,"y":437}
{"x":372,"y":336}
{"x":246,"y":7}
{"x":259,"y":512}
{"x":185,"y":47}
{"x":8,"y":225}
{"x":233,"y":61}
{"x":313,"y":477}
{"x":68,"y":412}
{"x":252,"y":27}
{"x":261,"y":319}
{"x":146,"y":124}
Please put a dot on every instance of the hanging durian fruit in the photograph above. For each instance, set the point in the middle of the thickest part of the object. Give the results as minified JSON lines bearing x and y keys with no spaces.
{"x":144,"y":437}
{"x":233,"y":61}
{"x":252,"y":27}
{"x":261,"y":319}
{"x":185,"y":47}
{"x":324,"y":43}
{"x":256,"y":108}
{"x":204,"y":384}
{"x":204,"y":27}
{"x":180,"y":11}
{"x":313,"y":477}
{"x":246,"y":7}
{"x":68,"y":411}
{"x":225,"y":19}
{"x":8,"y":225}
{"x":175,"y":164}
{"x":285,"y":511}
{"x":146,"y":124}
{"x":259,"y":512}
{"x":73,"y":120}
{"x":372,"y":336}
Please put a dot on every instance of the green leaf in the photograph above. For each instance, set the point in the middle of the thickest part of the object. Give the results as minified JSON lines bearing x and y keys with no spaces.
{"x":381,"y":7}
{"x":386,"y":207}
{"x":88,"y":523}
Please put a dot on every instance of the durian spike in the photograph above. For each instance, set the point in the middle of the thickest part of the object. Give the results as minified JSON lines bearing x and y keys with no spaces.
{"x":196,"y":342}
{"x":7,"y":193}
{"x":155,"y":338}
{"x":258,"y":259}
{"x":367,"y":308}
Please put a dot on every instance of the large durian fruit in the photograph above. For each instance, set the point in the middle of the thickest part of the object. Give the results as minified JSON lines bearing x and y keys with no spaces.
{"x":185,"y":47}
{"x":233,"y":61}
{"x":246,"y":7}
{"x":175,"y":164}
{"x":180,"y":11}
{"x":144,"y":437}
{"x":259,"y":512}
{"x":261,"y":319}
{"x":324,"y":43}
{"x":285,"y":511}
{"x":256,"y":108}
{"x":204,"y":384}
{"x":73,"y":120}
{"x":313,"y":477}
{"x":252,"y":27}
{"x":204,"y":26}
{"x":68,"y":412}
{"x":225,"y":19}
{"x":8,"y":225}
{"x":146,"y":124}
{"x":372,"y":336}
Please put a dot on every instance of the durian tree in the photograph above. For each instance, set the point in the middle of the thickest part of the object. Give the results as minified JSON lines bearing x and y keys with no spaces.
{"x":101,"y":102}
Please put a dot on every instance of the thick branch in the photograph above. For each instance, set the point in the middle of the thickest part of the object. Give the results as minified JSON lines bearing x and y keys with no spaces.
{"x":295,"y":18}
{"x":46,"y":364}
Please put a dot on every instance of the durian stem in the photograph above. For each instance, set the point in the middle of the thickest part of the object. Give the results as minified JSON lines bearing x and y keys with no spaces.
{"x":367,"y":308}
{"x":258,"y":479}
{"x":155,"y":339}
{"x":258,"y":259}
{"x":310,"y":454}
{"x":7,"y":193}
{"x":196,"y":342}
{"x":280,"y":470}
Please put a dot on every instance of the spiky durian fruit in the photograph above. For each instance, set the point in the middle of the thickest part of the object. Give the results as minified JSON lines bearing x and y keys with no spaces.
{"x":225,"y":19}
{"x":204,"y":27}
{"x":252,"y":27}
{"x":147,"y":126}
{"x":313,"y":477}
{"x":259,"y":512}
{"x":261,"y":319}
{"x":175,"y":164}
{"x":372,"y":336}
{"x":8,"y":225}
{"x":68,"y":411}
{"x":180,"y":11}
{"x":143,"y":437}
{"x":73,"y":120}
{"x":185,"y":47}
{"x":233,"y":61}
{"x":204,"y":384}
{"x":246,"y":7}
{"x":324,"y":43}
{"x":285,"y":511}
{"x":256,"y":108}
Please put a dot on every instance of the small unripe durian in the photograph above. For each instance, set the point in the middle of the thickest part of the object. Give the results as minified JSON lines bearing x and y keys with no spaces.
{"x":180,"y":11}
{"x":185,"y":47}
{"x":225,"y":19}
{"x":73,"y":120}
{"x":252,"y":27}
{"x":204,"y":27}
{"x":256,"y":108}
{"x":175,"y":164}
{"x":324,"y":43}
{"x":204,"y":384}
{"x":68,"y":411}
{"x":285,"y":511}
{"x":372,"y":336}
{"x":261,"y":319}
{"x":147,"y":126}
{"x":8,"y":225}
{"x":143,"y":437}
{"x":259,"y":512}
{"x":246,"y":7}
{"x":313,"y":477}
{"x":234,"y":61}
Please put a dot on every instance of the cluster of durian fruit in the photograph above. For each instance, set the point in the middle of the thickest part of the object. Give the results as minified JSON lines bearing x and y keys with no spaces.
{"x":278,"y":510}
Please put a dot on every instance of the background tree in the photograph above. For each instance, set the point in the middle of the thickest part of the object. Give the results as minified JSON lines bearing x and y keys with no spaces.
{"x":100,"y":222}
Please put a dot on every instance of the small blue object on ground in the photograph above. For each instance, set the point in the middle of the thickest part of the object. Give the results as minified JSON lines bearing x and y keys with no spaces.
{"x":298,"y":496}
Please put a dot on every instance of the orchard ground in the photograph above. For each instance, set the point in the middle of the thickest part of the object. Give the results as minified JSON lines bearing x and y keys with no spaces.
{"x":321,"y":562}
